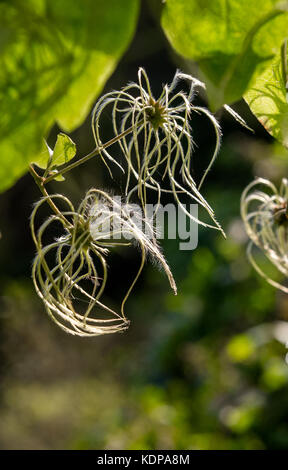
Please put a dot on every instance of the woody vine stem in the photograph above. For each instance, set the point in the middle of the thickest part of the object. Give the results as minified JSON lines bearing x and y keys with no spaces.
{"x":41,"y":181}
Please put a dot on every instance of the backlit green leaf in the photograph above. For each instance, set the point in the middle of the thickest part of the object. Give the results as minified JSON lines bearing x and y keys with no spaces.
{"x":233,"y":41}
{"x":64,"y":150}
{"x":268,"y":101}
{"x":55,"y":58}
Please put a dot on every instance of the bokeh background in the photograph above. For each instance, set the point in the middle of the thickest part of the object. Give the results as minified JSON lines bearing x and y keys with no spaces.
{"x":204,"y":370}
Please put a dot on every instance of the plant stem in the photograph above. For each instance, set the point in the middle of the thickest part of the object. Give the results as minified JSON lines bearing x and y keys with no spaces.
{"x":40,"y":183}
{"x":89,"y":156}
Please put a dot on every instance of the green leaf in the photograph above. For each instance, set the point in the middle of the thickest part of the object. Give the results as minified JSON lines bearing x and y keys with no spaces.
{"x":55,"y":59}
{"x":233,"y":41}
{"x":268,"y":101}
{"x":59,"y":178}
{"x":64,"y":150}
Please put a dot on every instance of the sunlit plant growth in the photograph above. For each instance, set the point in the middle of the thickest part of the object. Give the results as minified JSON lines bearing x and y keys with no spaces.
{"x":71,"y":272}
{"x":152,"y":136}
{"x":155,"y":138}
{"x":144,"y":226}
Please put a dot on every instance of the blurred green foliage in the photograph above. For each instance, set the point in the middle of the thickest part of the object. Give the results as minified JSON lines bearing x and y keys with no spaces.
{"x":64,"y":150}
{"x":232,"y":41}
{"x":202,"y":370}
{"x":55,"y":58}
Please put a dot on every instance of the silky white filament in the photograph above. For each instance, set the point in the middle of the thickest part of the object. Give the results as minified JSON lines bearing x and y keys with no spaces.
{"x":265,"y":216}
{"x":155,"y":138}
